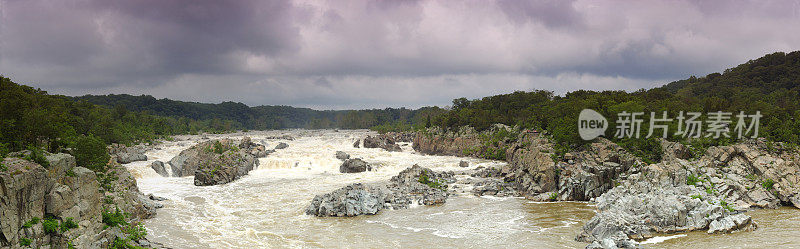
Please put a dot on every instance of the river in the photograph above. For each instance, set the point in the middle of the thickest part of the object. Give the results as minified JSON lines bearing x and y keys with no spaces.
{"x":265,"y":209}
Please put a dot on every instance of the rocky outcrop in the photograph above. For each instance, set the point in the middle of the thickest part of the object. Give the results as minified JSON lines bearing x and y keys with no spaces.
{"x":382,"y":141}
{"x":216,"y":161}
{"x":463,"y":164}
{"x":63,"y":193}
{"x":125,"y":154}
{"x":653,"y":204}
{"x":257,"y":150}
{"x":413,"y":186}
{"x":159,"y":167}
{"x":220,"y":166}
{"x":355,"y":165}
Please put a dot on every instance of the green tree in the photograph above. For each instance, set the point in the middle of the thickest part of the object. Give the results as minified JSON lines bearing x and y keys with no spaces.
{"x":90,"y":152}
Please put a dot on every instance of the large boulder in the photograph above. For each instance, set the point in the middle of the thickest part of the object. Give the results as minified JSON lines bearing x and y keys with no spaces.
{"x":354,"y":165}
{"x":281,"y":146}
{"x":381,"y":141}
{"x":159,"y":167}
{"x":342,"y":155}
{"x":413,"y":186}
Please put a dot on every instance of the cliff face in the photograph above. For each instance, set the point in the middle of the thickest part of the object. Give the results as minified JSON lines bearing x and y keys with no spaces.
{"x":33,"y":198}
{"x":489,"y":144}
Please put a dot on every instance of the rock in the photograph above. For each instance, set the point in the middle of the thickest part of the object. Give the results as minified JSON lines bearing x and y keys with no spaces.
{"x":130,"y":157}
{"x":354,"y":165}
{"x":356,"y":144}
{"x":494,"y":187}
{"x":342,"y":156}
{"x":281,"y":146}
{"x":352,"y":200}
{"x":436,"y":141}
{"x":413,"y":186}
{"x":125,"y":154}
{"x":158,"y":166}
{"x":738,"y":222}
{"x":23,"y":187}
{"x":215,"y":162}
{"x":254,"y":149}
{"x":383,"y":142}
{"x":463,"y":164}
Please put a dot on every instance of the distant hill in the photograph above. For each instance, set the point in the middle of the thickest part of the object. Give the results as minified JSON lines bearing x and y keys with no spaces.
{"x":262,"y":117}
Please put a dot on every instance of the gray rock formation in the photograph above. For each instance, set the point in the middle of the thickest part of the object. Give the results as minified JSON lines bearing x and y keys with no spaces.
{"x":415,"y":185}
{"x":28,"y":191}
{"x":216,"y":161}
{"x":342,"y":156}
{"x":281,"y":146}
{"x":159,"y":167}
{"x":354,"y":165}
{"x":463,"y":164}
{"x":739,"y":222}
{"x":383,"y":142}
{"x":125,"y":154}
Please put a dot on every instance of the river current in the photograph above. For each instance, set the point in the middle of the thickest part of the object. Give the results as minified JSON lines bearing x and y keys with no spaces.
{"x":265,"y":209}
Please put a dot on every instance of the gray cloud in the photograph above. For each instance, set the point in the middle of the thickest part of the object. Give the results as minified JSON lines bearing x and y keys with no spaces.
{"x":357,"y":54}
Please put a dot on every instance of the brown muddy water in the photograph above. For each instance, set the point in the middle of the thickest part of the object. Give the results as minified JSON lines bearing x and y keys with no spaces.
{"x":265,"y":208}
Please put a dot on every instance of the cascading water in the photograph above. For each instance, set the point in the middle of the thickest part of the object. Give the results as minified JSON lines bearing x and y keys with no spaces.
{"x":265,"y":209}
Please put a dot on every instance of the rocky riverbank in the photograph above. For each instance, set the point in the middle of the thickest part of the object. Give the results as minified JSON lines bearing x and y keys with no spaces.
{"x":63,"y":205}
{"x":686,"y":191}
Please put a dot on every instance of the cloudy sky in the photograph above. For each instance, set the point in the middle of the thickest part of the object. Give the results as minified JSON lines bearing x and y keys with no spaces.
{"x":375,"y":54}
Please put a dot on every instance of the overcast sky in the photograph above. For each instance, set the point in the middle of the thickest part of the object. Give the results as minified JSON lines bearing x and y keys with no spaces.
{"x":375,"y":54}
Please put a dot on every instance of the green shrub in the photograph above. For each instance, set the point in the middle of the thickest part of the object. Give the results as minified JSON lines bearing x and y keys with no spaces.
{"x":692,"y":179}
{"x":24,"y":242}
{"x":115,"y":218}
{"x":37,"y":156}
{"x":553,"y":196}
{"x":767,"y":184}
{"x":71,"y":173}
{"x":3,"y":167}
{"x":424,"y":179}
{"x":30,"y":223}
{"x":50,"y":225}
{"x":68,"y":224}
{"x":697,"y":196}
{"x":90,"y":152}
{"x":135,"y":232}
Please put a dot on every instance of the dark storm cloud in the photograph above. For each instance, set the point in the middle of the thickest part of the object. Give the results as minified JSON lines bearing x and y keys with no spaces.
{"x":355,"y":54}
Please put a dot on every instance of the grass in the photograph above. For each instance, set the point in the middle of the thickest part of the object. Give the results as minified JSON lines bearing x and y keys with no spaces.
{"x":697,"y":196}
{"x":3,"y":167}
